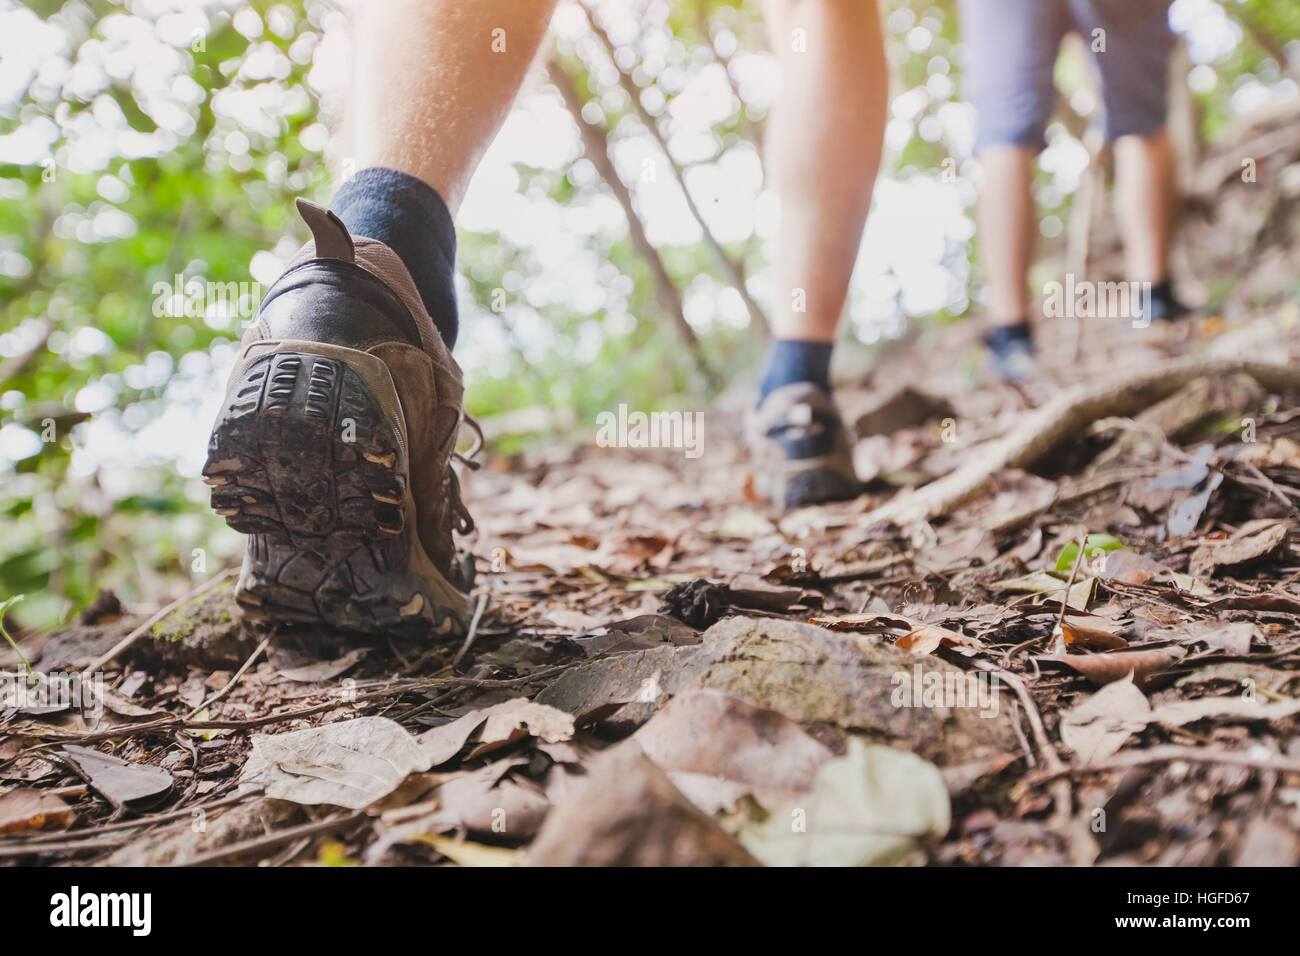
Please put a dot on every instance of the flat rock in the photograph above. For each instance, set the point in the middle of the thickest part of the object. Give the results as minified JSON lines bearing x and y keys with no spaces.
{"x":78,"y":645}
{"x":204,"y":632}
{"x":811,"y":675}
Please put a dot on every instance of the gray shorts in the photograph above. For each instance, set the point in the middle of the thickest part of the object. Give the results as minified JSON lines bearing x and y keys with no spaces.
{"x":1011,"y":51}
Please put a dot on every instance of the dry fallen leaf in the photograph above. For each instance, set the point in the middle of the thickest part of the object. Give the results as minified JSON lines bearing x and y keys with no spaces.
{"x":723,"y":739}
{"x":572,"y":620}
{"x":871,"y":807}
{"x":1097,"y":727}
{"x":1094,"y":639}
{"x":1267,"y":601}
{"x":464,"y":853}
{"x":1231,"y":638}
{"x":486,"y":800}
{"x":25,"y":809}
{"x":1181,"y":712}
{"x":626,"y":812}
{"x":1249,"y":543}
{"x":350,"y":764}
{"x":1278,"y":453}
{"x":121,"y":782}
{"x":442,"y":743}
{"x":1106,"y":667}
{"x":926,"y":638}
{"x":1128,"y":567}
{"x":1051,"y":587}
{"x":866,"y":621}
{"x":324,"y":670}
{"x":516,"y":719}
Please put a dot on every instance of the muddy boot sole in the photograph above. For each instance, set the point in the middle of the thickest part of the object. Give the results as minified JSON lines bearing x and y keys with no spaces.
{"x":369,"y":590}
{"x":304,"y":460}
{"x":303,"y":454}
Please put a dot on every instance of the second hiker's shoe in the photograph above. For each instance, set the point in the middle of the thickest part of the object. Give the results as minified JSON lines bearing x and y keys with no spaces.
{"x":333,"y":447}
{"x":1160,"y":305}
{"x":799,"y":448}
{"x":1010,"y":351}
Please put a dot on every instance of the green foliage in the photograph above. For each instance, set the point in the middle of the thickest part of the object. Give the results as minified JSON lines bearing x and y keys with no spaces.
{"x":5,"y":605}
{"x":1093,"y":545}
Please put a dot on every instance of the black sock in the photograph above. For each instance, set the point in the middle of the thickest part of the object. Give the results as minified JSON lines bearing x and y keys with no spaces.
{"x":794,"y":360}
{"x":1010,"y":337}
{"x":1162,"y":292}
{"x":1162,"y":304}
{"x":409,"y":216}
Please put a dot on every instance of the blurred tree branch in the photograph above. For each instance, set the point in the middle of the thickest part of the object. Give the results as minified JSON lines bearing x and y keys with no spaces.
{"x":11,"y":368}
{"x":597,"y":149}
{"x":1256,"y":32}
{"x":753,"y":132}
{"x":734,"y":270}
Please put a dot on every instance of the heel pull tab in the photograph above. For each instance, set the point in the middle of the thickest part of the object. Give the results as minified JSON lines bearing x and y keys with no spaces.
{"x":327,"y":229}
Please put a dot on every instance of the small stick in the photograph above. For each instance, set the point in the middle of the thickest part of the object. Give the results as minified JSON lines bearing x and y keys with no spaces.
{"x":473,"y":629}
{"x":234,"y":680}
{"x":143,"y":629}
{"x":1050,"y":756}
{"x":1030,"y":759}
{"x":274,"y":839}
{"x":1167,"y":753}
{"x":176,"y":723}
{"x":38,"y":841}
{"x":1058,"y":633}
{"x":1080,"y":844}
{"x":1270,"y":487}
{"x":67,"y":846}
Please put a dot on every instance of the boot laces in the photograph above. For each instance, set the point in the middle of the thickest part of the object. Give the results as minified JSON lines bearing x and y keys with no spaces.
{"x":464,"y":521}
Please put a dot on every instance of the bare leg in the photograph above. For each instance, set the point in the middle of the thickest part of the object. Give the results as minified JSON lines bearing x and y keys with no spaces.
{"x":1145,"y":194}
{"x":824,"y":141}
{"x":1006,"y":230}
{"x":434,"y":79}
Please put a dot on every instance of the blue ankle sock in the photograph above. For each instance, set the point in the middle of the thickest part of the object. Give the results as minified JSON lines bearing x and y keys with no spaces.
{"x":408,"y":215}
{"x":793,"y":360}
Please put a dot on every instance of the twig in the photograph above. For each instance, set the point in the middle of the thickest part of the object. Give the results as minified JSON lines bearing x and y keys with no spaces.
{"x":136,"y":824}
{"x":274,"y":839}
{"x":143,"y":629}
{"x":67,"y":846}
{"x":1050,"y":756}
{"x":735,"y":270}
{"x":473,"y":630}
{"x":1167,"y":753}
{"x":177,"y":723}
{"x":596,"y":146}
{"x":1268,"y":485}
{"x":1030,"y":759}
{"x":1083,"y":848}
{"x":257,"y":652}
{"x":1066,"y":414}
{"x":1058,"y":633}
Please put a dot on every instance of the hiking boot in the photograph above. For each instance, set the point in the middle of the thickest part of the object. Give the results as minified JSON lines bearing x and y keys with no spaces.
{"x":1010,"y":351}
{"x":333,"y":448}
{"x":799,"y":448}
{"x":1160,"y":305}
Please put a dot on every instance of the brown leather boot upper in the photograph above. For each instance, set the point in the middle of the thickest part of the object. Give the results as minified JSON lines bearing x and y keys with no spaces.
{"x":379,"y":312}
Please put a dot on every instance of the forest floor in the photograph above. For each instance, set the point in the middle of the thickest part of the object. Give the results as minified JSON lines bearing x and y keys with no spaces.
{"x":668,"y":671}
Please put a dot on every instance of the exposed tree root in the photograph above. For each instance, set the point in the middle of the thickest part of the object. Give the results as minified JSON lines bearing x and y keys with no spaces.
{"x":1066,"y":415}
